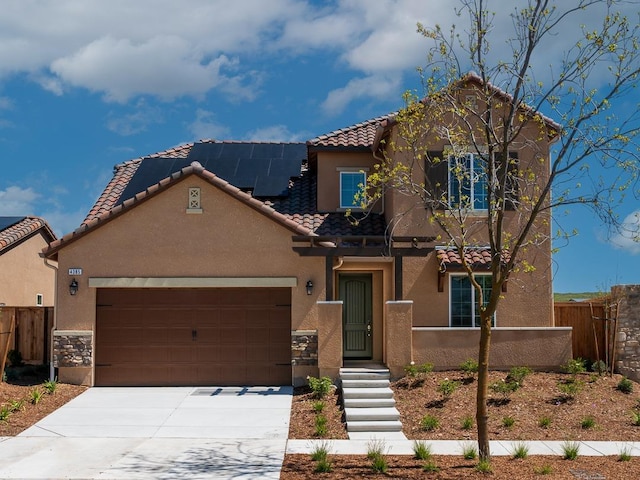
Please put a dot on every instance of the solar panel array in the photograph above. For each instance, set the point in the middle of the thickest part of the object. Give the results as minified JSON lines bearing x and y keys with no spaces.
{"x":6,"y":222}
{"x":264,"y":168}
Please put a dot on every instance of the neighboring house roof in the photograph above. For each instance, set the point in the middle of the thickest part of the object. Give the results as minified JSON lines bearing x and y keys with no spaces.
{"x":360,"y":135}
{"x":475,"y":256}
{"x":14,"y":230}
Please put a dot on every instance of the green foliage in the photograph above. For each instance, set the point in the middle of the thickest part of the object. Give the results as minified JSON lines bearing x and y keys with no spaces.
{"x":574,"y":366}
{"x":588,"y":422}
{"x":624,"y":455}
{"x":467,"y":422}
{"x":544,"y":422}
{"x":635,"y":418}
{"x":570,"y":389}
{"x":625,"y":385}
{"x":520,"y":450}
{"x":446,"y":387}
{"x":35,"y":396}
{"x":379,"y":464}
{"x":469,"y":366}
{"x":50,"y":386}
{"x":318,"y":406}
{"x":508,"y":422}
{"x":16,"y":405}
{"x":323,"y":465}
{"x":4,"y":413}
{"x":320,"y":450}
{"x":469,"y":451}
{"x":417,"y":370}
{"x":430,"y":467}
{"x":484,"y":466}
{"x":543,"y":469}
{"x":429,"y":423}
{"x":376,"y":451}
{"x":517,"y":375}
{"x":421,"y":450}
{"x":599,"y":367}
{"x":320,"y":386}
{"x":505,"y":389}
{"x":570,"y":450}
{"x":321,"y":425}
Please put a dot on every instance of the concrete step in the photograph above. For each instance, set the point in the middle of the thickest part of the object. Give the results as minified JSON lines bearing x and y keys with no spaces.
{"x":376,"y":414}
{"x":357,"y":392}
{"x":381,"y":383}
{"x":369,"y":402}
{"x":364,"y":374}
{"x":373,"y":426}
{"x":368,"y":436}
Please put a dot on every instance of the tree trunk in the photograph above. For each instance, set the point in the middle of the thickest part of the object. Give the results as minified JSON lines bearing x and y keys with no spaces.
{"x":482,"y":414}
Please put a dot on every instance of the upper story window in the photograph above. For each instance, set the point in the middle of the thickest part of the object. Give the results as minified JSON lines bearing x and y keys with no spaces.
{"x":468,"y":188}
{"x":463,"y":308}
{"x":352,"y":182}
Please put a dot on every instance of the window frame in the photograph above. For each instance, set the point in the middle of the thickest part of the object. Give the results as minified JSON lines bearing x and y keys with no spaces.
{"x":351,"y":171}
{"x":475,"y":316}
{"x":452,"y":182}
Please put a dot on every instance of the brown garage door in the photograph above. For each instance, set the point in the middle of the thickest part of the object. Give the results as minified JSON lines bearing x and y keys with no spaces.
{"x":222,"y":336}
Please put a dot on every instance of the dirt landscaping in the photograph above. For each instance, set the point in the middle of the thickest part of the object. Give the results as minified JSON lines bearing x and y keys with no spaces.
{"x":540,"y":409}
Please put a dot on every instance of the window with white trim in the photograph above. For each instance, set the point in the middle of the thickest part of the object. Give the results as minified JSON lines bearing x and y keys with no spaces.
{"x":463,"y":308}
{"x":468,"y":187}
{"x":351,"y":183}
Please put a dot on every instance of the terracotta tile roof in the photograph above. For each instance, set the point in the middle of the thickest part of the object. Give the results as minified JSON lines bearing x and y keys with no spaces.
{"x":359,"y":135}
{"x":23,"y":229}
{"x":477,"y":257}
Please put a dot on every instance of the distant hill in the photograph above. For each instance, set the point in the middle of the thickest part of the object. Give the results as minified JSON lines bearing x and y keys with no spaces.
{"x":567,"y":297}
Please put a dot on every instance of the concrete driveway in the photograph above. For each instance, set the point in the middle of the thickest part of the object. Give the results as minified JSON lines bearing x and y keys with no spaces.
{"x":160,"y":433}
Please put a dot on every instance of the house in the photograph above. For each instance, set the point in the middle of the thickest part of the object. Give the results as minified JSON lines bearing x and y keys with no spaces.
{"x":234,"y":263}
{"x":25,"y":281}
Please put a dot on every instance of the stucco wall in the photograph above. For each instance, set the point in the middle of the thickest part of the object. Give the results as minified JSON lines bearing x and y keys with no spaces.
{"x":158,"y":238}
{"x":24,"y":275}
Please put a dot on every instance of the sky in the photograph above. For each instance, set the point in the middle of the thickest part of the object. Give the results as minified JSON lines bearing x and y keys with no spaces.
{"x":88,"y":84}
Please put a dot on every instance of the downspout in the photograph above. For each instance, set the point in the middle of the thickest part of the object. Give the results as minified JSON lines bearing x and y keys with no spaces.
{"x":52,"y":375}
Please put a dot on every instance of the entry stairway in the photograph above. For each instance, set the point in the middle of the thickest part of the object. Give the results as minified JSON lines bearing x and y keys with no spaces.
{"x":369,"y":406}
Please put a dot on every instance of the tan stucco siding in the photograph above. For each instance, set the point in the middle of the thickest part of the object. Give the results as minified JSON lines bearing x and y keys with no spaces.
{"x":23,"y":274}
{"x":329,"y":165}
{"x":158,"y":238}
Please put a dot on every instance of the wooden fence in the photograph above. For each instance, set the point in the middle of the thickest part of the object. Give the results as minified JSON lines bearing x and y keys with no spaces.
{"x":27,"y":330}
{"x":590,"y":329}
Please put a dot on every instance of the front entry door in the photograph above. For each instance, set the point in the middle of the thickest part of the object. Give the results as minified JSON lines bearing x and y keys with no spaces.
{"x":355,"y":293}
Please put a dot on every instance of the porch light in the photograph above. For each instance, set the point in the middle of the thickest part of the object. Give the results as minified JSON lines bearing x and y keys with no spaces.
{"x":73,"y":287}
{"x":309,"y":287}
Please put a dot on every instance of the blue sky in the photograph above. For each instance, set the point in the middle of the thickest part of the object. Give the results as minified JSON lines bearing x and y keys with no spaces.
{"x":87,"y":84}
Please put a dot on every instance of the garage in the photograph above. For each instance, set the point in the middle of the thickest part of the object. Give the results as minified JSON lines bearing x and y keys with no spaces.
{"x":193,"y":336}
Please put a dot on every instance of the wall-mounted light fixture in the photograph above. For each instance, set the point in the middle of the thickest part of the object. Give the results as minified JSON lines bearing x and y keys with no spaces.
{"x":309,"y":287}
{"x":73,"y":287}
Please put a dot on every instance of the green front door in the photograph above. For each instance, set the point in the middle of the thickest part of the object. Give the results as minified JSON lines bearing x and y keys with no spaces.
{"x":355,"y":293}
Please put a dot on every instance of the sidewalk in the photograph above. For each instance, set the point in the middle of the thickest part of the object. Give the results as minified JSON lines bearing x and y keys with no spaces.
{"x":455,"y":447}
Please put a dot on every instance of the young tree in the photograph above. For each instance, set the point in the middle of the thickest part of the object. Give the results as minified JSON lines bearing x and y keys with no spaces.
{"x":485,"y":141}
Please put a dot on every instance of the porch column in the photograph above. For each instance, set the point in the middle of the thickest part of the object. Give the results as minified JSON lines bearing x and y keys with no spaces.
{"x":397,"y":336}
{"x":330,"y":338}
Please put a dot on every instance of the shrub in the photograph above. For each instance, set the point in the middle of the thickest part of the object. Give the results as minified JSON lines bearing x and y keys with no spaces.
{"x":624,"y":455}
{"x":543,"y":470}
{"x":379,"y":464}
{"x":570,"y":389}
{"x":376,"y":450}
{"x":421,"y":450}
{"x":16,"y":405}
{"x":469,"y":366}
{"x":35,"y":396}
{"x":323,"y":466}
{"x":416,"y":370}
{"x":15,"y":358}
{"x":4,"y":413}
{"x":484,"y":466}
{"x":599,"y":367}
{"x":518,"y":374}
{"x":505,"y":389}
{"x":574,"y":366}
{"x":318,"y":406}
{"x":429,"y":423}
{"x":635,"y":418}
{"x":625,"y":385}
{"x":588,"y":423}
{"x":446,"y":387}
{"x":570,"y":450}
{"x":430,"y":467}
{"x":467,"y":423}
{"x":321,"y":425}
{"x":320,"y":450}
{"x":320,"y":386}
{"x":469,"y":451}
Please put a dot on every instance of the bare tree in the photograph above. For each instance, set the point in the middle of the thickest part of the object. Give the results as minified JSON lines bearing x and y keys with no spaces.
{"x":501,"y":142}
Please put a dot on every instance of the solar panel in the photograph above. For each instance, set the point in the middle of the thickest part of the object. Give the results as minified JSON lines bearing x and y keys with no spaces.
{"x":265,"y":168}
{"x":6,"y":222}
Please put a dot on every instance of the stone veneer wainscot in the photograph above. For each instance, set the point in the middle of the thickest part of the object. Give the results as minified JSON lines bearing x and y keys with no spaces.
{"x":304,"y":347}
{"x":72,"y":348}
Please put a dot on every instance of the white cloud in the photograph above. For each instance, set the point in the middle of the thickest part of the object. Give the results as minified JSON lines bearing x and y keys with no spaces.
{"x":628,"y":236}
{"x":206,"y":127}
{"x":276,"y":133}
{"x":135,"y":122}
{"x":375,"y":86}
{"x":16,"y":201}
{"x":63,"y":222}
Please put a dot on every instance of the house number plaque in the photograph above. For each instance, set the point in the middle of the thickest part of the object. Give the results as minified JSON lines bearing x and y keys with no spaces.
{"x":75,"y":271}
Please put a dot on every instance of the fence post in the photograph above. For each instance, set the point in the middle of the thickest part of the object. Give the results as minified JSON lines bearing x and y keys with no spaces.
{"x":5,"y":350}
